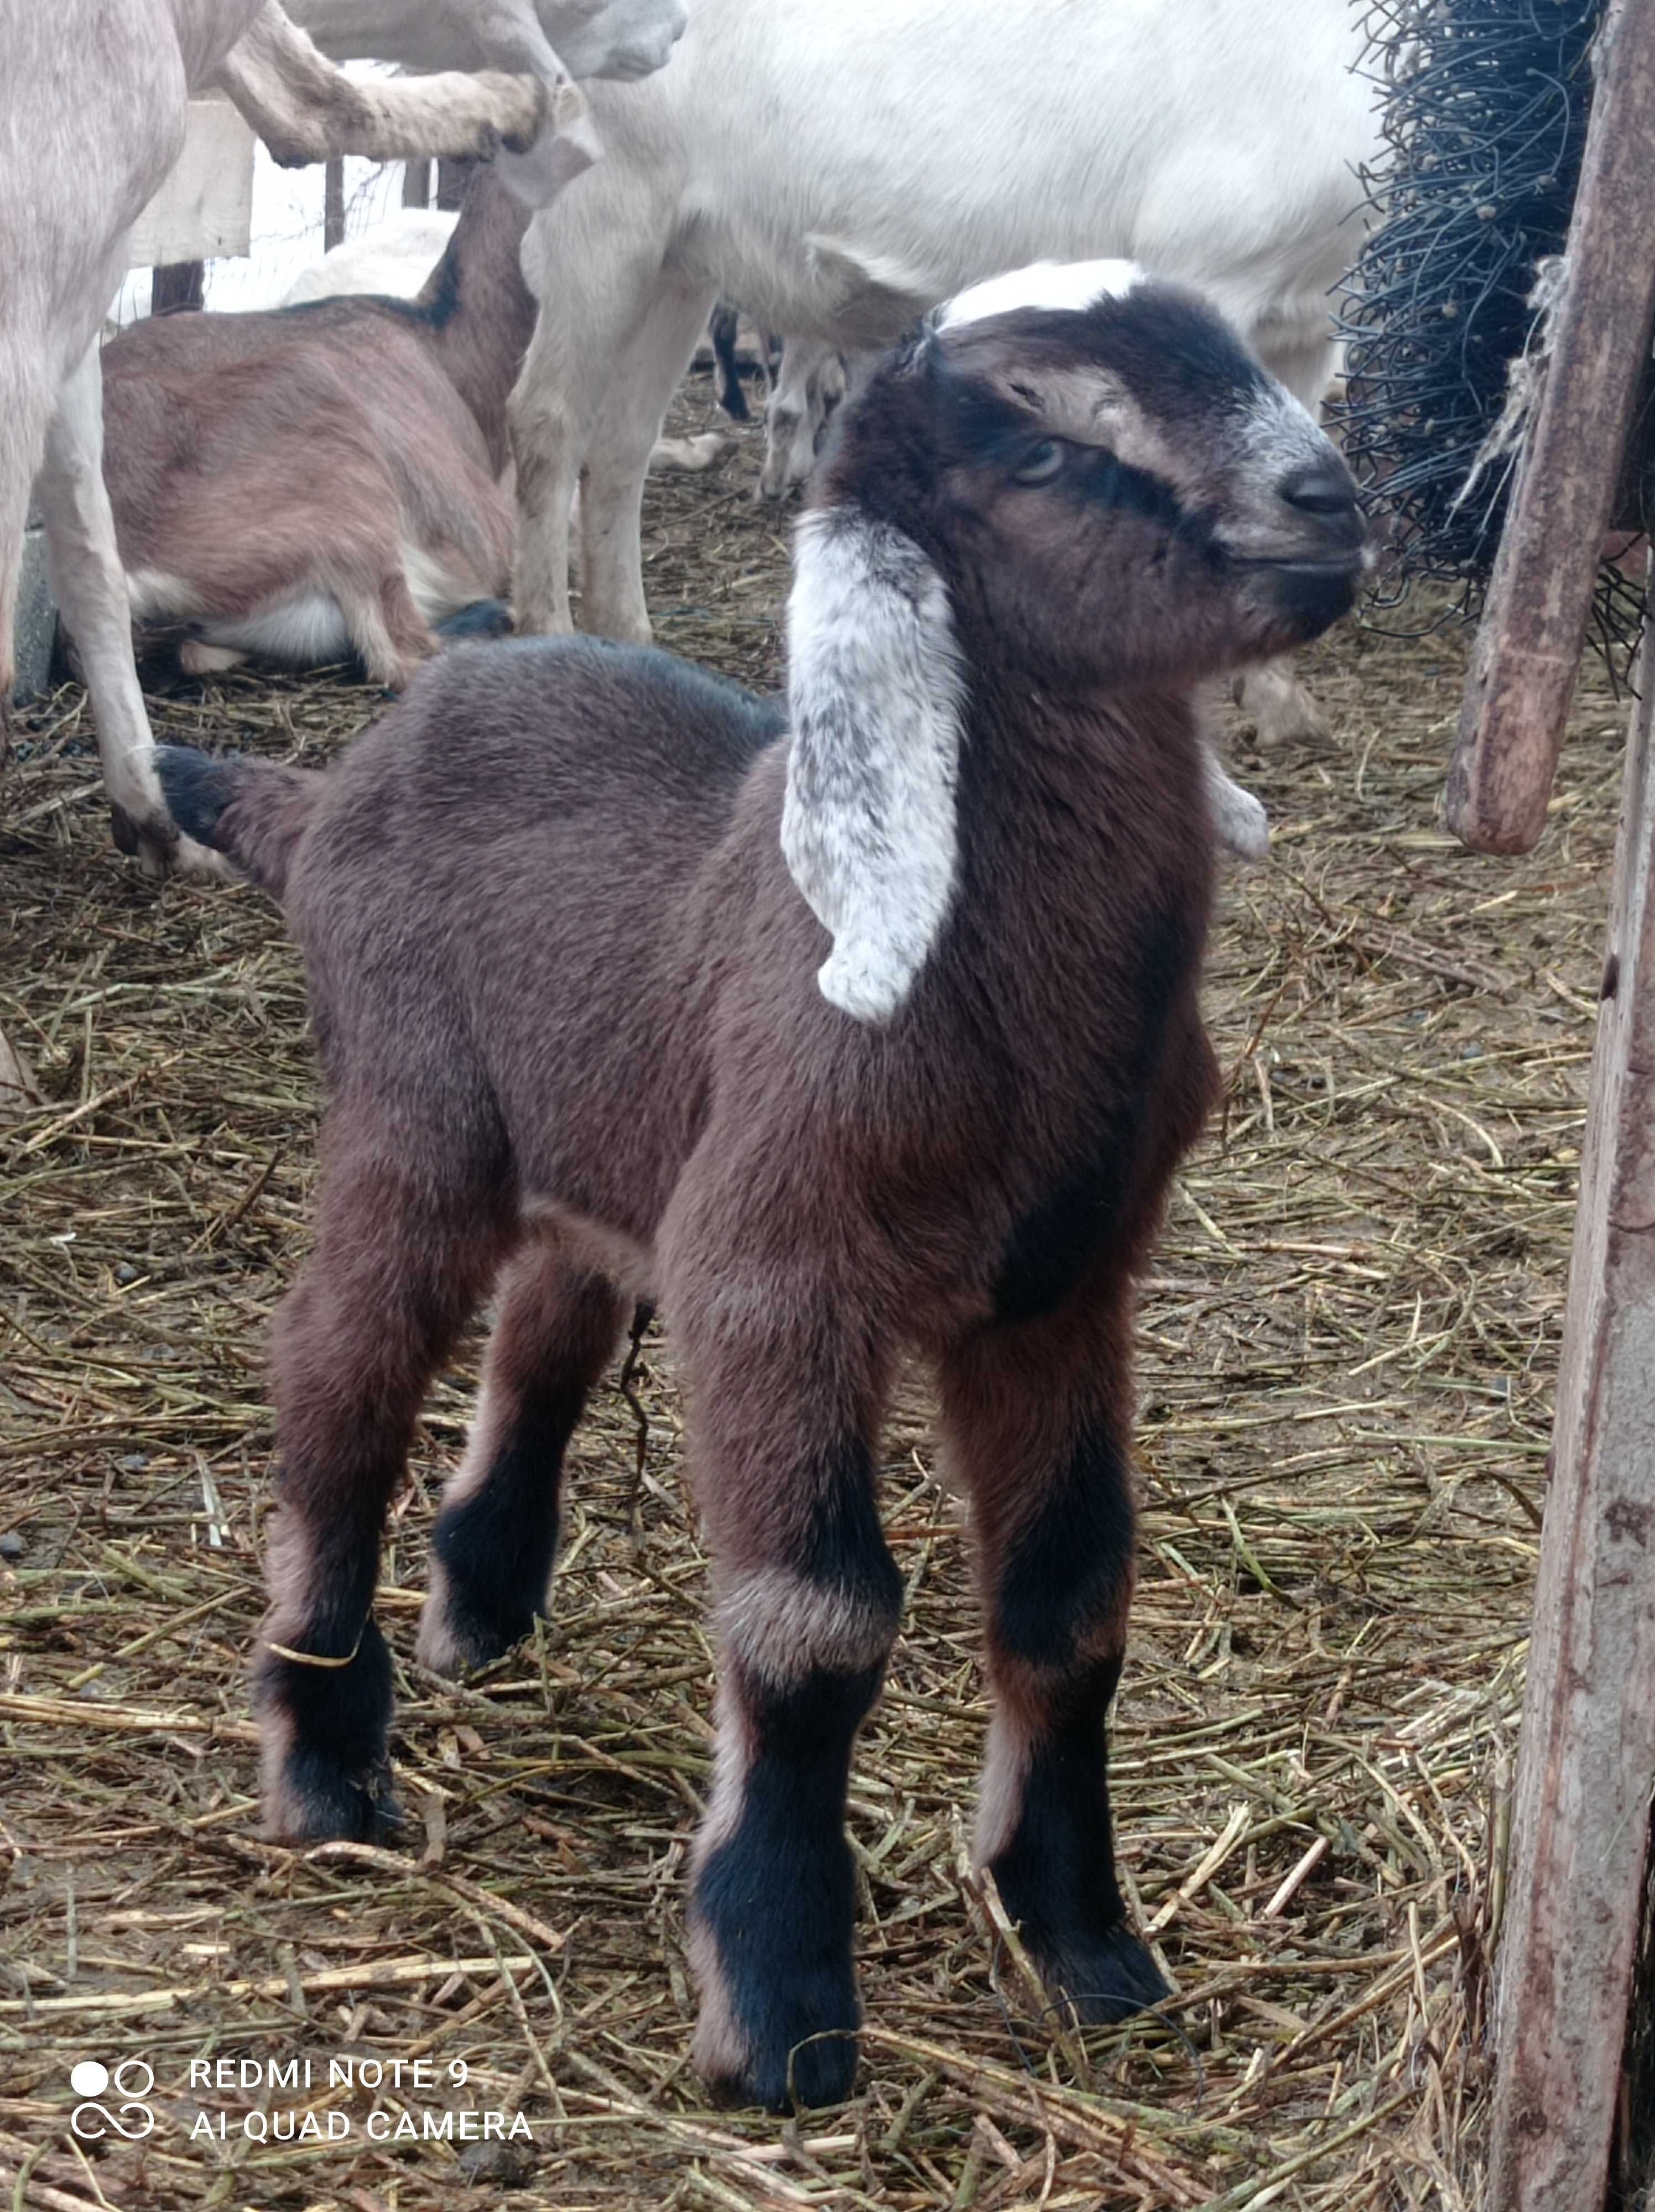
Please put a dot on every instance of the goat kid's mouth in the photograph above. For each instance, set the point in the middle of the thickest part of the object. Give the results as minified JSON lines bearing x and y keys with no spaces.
{"x":1351,"y":564}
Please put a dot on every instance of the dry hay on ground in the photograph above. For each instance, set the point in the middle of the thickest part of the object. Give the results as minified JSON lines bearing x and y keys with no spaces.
{"x":1347,"y":1353}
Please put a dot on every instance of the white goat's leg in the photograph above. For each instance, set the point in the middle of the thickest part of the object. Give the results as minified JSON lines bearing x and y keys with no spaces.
{"x":611,"y":497}
{"x":90,"y":586}
{"x":1279,"y":706}
{"x":597,"y":296}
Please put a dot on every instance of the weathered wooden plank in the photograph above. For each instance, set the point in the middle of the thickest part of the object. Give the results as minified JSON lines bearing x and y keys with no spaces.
{"x":1587,"y":1756}
{"x":205,"y":208}
{"x":1528,"y":645}
{"x":333,"y":202}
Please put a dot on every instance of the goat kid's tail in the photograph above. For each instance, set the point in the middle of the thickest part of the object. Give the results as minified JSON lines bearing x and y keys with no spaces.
{"x":252,"y":810}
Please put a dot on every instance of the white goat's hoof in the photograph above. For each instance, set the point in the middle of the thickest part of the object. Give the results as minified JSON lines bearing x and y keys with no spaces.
{"x":1281,"y":710}
{"x":692,"y":455}
{"x":197,"y":657}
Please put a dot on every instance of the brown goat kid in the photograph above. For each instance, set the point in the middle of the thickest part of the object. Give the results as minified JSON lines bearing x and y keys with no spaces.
{"x":309,"y":482}
{"x":567,"y":997}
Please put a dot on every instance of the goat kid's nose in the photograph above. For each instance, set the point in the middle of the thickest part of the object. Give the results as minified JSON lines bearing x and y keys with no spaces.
{"x":1319,"y":488}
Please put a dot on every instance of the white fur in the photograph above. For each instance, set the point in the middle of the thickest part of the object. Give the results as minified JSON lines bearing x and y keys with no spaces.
{"x":825,"y":166}
{"x":391,"y":261}
{"x":152,"y":591}
{"x":780,"y":1628}
{"x":433,"y":590}
{"x":307,"y":631}
{"x":1242,"y":825}
{"x":625,"y":39}
{"x":876,"y":694}
{"x":1051,"y":284}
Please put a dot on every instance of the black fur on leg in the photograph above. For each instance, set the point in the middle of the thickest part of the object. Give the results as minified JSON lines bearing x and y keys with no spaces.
{"x":778,"y":1898}
{"x":1056,"y":1876}
{"x":330,"y":1723}
{"x":498,"y":1544}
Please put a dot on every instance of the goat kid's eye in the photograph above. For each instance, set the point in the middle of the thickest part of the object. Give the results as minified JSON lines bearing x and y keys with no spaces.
{"x":1040,"y":464}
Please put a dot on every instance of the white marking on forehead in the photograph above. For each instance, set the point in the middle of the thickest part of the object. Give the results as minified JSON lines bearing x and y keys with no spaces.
{"x":1059,"y":286}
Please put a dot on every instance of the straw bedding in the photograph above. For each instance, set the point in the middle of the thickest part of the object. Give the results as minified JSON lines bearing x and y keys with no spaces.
{"x":1347,"y":1350}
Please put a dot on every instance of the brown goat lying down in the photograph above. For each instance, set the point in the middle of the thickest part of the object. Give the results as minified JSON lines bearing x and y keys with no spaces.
{"x":588,"y":1038}
{"x":310,"y":481}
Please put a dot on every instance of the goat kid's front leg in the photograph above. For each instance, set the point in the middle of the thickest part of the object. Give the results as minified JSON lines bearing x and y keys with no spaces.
{"x":808,"y":1598}
{"x":379,"y":1302}
{"x":1036,"y":1421}
{"x":496,"y":1537}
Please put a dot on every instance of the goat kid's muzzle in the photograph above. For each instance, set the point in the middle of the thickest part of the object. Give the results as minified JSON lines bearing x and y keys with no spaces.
{"x":1310,"y":557}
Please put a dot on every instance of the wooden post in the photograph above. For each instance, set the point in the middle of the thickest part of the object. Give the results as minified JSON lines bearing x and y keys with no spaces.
{"x":1587,"y":1755}
{"x":1528,"y":648}
{"x":178,"y":288}
{"x":417,"y":183}
{"x":333,"y":203}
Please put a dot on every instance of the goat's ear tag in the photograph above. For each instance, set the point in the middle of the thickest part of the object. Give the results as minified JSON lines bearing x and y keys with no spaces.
{"x":876,"y":696}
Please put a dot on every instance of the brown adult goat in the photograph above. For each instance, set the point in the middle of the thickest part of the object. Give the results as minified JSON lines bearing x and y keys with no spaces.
{"x":563,"y":914}
{"x":305,"y":482}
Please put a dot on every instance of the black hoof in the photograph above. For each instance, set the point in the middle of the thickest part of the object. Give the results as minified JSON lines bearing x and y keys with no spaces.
{"x":806,"y":2076}
{"x":318,"y":1802}
{"x":1105,"y":1980}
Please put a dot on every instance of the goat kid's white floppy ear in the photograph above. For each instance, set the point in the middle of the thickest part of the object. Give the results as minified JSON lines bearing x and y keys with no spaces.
{"x":876,"y":698}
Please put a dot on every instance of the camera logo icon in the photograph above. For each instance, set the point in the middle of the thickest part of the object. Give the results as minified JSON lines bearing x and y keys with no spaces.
{"x":134,"y":2080}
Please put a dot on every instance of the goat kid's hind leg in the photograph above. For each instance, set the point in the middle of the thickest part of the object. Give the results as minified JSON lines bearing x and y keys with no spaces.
{"x":390,"y":1283}
{"x":1036,"y":1421}
{"x":783,"y":1415}
{"x":492,"y":1552}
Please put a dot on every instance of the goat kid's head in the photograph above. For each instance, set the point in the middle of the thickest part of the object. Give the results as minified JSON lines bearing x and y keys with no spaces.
{"x":1076,"y":475}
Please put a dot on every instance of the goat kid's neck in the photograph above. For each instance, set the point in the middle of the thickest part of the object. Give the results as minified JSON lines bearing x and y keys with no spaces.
{"x":1080,"y":822}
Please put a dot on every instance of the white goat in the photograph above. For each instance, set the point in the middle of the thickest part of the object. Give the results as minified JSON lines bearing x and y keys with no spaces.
{"x":841,"y":169}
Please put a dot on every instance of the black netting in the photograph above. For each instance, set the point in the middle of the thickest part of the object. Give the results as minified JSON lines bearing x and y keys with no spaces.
{"x":1487,"y":104}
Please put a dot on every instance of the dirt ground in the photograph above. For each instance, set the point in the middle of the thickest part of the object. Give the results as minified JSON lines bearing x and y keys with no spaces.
{"x":1347,"y":1351}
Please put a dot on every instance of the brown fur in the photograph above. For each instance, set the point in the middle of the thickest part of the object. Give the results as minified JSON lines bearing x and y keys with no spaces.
{"x":560,"y":974}
{"x":255,"y":460}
